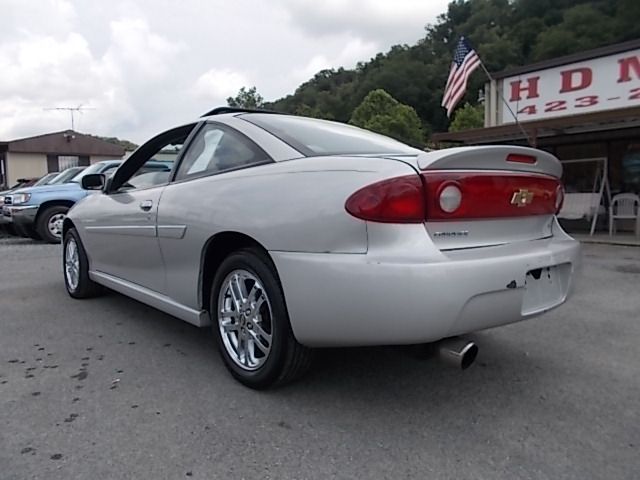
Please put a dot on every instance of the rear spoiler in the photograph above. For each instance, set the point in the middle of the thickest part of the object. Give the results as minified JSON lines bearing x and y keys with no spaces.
{"x":499,"y":157}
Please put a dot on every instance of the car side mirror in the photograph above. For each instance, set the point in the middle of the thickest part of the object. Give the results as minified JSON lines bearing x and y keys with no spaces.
{"x":93,"y":181}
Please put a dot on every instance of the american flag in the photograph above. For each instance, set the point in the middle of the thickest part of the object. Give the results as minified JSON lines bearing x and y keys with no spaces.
{"x":465,"y":61}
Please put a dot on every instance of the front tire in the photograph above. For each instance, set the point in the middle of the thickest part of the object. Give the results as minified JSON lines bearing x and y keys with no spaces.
{"x":49,"y":223}
{"x":75,"y":267}
{"x":251,"y":323}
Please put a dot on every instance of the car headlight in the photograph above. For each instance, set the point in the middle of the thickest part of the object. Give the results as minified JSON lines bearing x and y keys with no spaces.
{"x":20,"y":198}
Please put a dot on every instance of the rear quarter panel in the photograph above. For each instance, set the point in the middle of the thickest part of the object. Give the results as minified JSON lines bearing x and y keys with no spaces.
{"x":291,"y":206}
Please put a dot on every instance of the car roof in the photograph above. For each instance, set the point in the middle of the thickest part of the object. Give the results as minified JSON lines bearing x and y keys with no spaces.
{"x":222,"y":112}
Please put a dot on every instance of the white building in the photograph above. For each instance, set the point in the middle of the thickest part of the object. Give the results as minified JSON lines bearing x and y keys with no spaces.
{"x":52,"y":152}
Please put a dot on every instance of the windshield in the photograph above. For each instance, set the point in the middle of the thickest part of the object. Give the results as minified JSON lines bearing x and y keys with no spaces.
{"x":311,"y":136}
{"x":95,"y":168}
{"x":46,"y":179}
{"x":66,"y":175}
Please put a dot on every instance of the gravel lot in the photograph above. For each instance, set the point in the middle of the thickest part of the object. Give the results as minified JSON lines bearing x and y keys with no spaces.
{"x":109,"y":389}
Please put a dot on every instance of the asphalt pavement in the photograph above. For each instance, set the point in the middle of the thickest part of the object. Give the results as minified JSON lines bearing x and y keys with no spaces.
{"x":111,"y":389}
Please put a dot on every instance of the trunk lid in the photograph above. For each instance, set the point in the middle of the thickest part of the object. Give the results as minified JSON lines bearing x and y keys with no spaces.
{"x":510,"y":194}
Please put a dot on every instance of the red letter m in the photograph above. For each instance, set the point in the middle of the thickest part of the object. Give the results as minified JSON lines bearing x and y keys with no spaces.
{"x":626,"y":65}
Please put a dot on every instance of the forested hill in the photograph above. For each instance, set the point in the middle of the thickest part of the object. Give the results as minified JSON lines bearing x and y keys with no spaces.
{"x":505,"y":33}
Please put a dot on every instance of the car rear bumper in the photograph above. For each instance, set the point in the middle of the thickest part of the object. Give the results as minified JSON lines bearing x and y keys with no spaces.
{"x":350,"y":299}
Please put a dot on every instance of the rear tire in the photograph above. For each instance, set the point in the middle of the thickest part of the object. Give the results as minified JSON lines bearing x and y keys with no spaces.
{"x":251,"y":325}
{"x":49,"y":223}
{"x":75,"y":268}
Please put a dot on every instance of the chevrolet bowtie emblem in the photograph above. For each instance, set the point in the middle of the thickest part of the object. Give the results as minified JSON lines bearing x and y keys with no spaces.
{"x":522,"y":198}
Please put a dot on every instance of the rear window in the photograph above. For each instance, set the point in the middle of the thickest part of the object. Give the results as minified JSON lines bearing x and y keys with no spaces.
{"x":311,"y":136}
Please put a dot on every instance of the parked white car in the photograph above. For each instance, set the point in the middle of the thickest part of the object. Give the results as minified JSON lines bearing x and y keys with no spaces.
{"x":288,"y":233}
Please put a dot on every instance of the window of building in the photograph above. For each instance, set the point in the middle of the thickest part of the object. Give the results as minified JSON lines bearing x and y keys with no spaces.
{"x":67,"y":161}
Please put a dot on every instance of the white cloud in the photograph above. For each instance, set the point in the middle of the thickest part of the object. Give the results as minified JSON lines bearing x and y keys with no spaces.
{"x":219,"y":84}
{"x":27,"y":17}
{"x":39,"y":68}
{"x":41,"y":72}
{"x":140,"y":51}
{"x":147,"y":65}
{"x":353,"y":51}
{"x":384,"y":21}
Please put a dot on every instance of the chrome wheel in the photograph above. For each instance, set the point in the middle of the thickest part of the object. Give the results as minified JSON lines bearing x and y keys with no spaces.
{"x":72,"y":264}
{"x":54,"y":225}
{"x":245,"y":319}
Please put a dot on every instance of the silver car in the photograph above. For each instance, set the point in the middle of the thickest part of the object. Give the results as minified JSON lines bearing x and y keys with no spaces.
{"x":288,"y":233}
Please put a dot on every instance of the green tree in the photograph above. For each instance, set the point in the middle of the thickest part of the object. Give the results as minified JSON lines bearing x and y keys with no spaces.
{"x":305,"y":110}
{"x":126,"y":144}
{"x":467,"y":117}
{"x":627,"y":14}
{"x":505,"y":33}
{"x":382,"y":113}
{"x":577,"y":32}
{"x":246,"y":99}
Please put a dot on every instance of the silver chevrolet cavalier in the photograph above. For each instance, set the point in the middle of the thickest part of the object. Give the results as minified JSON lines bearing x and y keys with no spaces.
{"x":287,"y":233}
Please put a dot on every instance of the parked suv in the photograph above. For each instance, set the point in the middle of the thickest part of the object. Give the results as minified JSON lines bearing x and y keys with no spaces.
{"x":38,"y":212}
{"x":5,"y":225}
{"x":66,"y":175}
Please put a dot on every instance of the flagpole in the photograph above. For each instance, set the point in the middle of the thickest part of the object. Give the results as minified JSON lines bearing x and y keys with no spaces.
{"x":499,"y":91}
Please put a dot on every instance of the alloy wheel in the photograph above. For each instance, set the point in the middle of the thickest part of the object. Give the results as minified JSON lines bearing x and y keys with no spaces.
{"x":72,"y":264}
{"x":54,"y":225}
{"x":245,"y":319}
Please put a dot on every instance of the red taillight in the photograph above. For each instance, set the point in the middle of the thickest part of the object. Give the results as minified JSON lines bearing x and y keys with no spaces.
{"x":559,"y":198}
{"x":491,"y":195}
{"x":519,"y":158}
{"x":397,"y":200}
{"x":455,"y":196}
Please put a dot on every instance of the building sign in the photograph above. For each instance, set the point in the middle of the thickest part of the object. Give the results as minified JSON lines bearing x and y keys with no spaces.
{"x":598,"y":84}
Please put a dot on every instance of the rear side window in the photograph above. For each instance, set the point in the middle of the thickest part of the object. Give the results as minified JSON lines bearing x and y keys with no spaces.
{"x":218,"y":149}
{"x":311,"y":136}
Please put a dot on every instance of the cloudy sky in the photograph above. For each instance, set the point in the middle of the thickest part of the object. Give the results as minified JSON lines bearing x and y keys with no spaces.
{"x":146,"y":65}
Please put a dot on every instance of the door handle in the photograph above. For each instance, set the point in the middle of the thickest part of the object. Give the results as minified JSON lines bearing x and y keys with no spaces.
{"x":146,"y":205}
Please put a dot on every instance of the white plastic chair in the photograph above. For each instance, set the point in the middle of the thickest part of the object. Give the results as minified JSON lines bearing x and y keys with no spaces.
{"x":624,"y":206}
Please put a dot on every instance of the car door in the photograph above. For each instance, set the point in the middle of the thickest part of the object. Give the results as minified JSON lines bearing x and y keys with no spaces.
{"x":188,"y":214}
{"x":122,"y":236}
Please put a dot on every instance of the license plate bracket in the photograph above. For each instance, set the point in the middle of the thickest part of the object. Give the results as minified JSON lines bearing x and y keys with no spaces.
{"x":545,"y":288}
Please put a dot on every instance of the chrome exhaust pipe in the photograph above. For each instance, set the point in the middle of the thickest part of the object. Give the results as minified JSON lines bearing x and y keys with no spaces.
{"x":457,"y":352}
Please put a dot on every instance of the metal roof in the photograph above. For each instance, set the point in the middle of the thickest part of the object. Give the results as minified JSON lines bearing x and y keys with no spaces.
{"x":573,"y":58}
{"x":67,"y":142}
{"x":621,"y":118}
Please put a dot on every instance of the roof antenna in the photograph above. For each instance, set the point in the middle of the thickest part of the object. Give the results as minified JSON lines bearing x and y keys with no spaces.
{"x":72,"y":110}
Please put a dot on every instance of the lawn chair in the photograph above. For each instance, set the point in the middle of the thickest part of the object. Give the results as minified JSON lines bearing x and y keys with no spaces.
{"x":588,"y":205}
{"x":580,"y":205}
{"x":624,"y":206}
